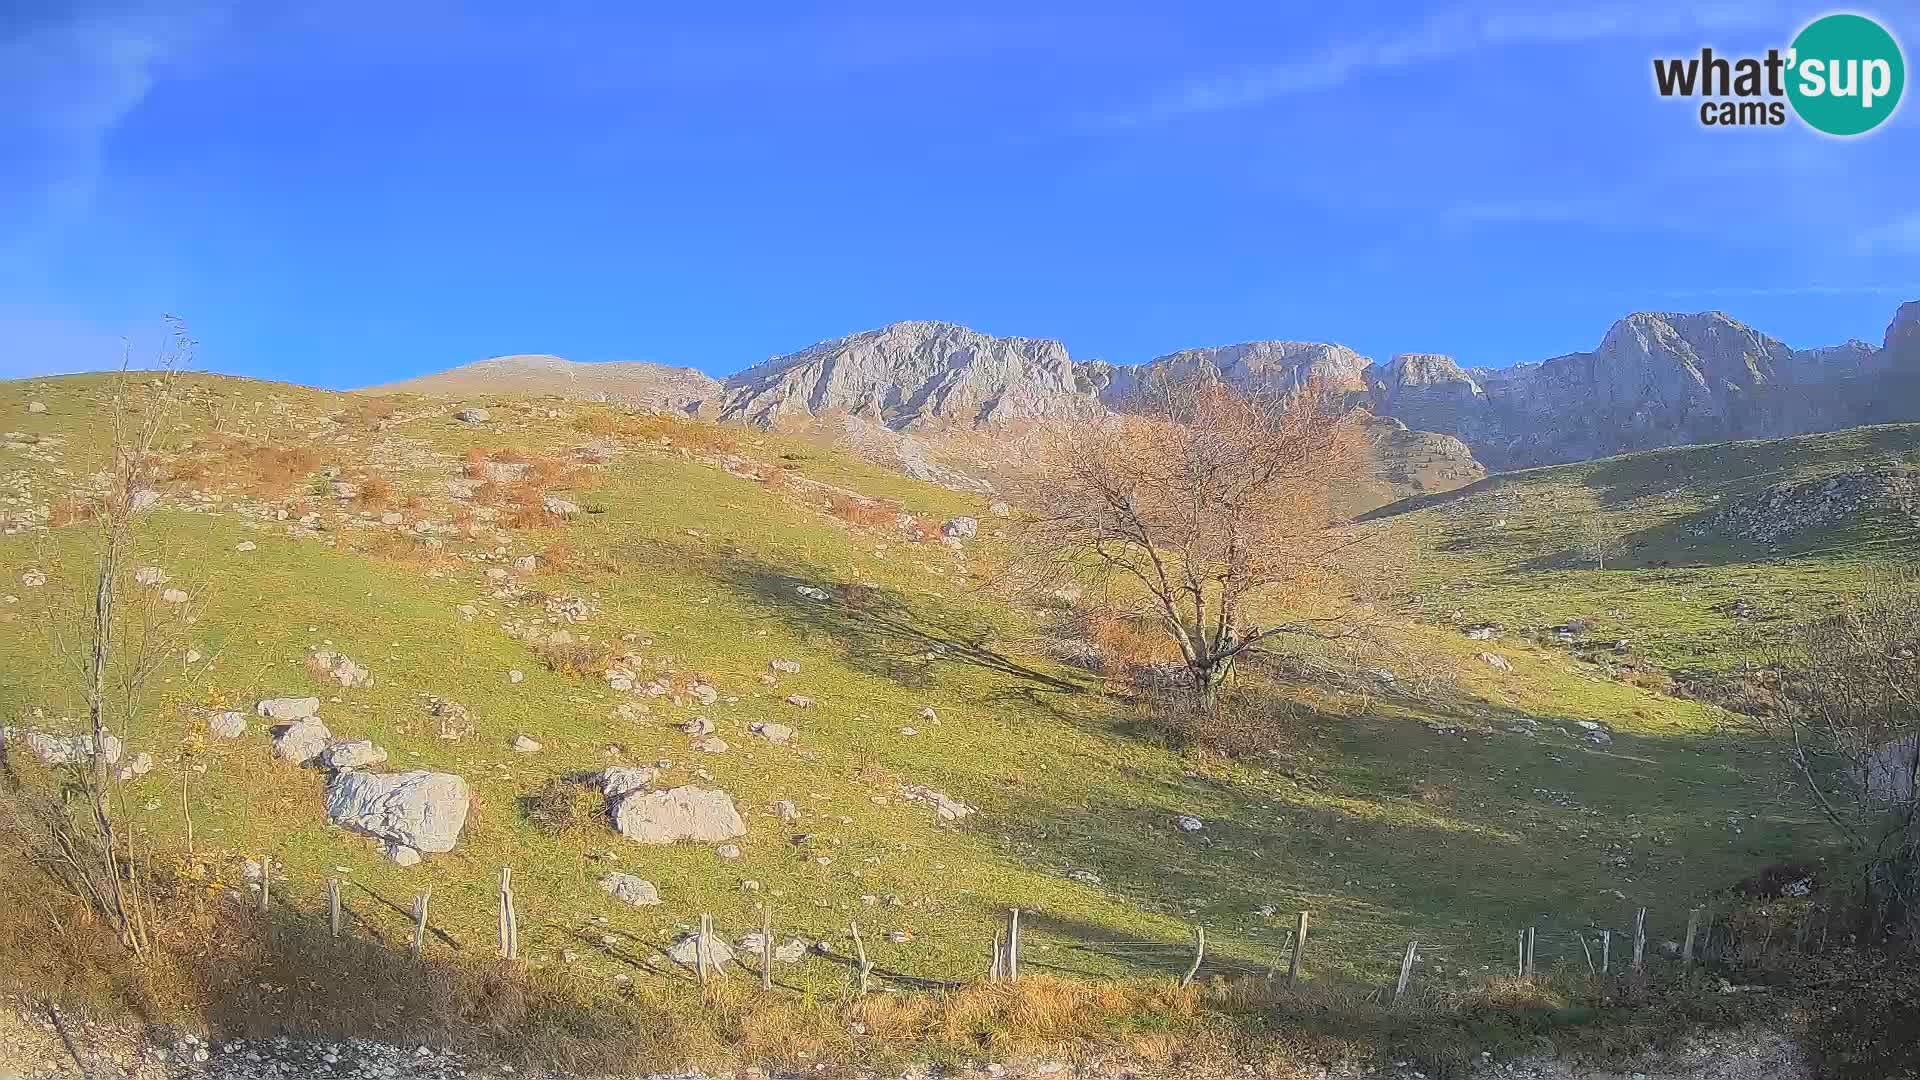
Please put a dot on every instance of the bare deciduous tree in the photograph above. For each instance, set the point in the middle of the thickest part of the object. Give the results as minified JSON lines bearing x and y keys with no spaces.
{"x":114,"y":637}
{"x":1596,"y":539}
{"x":1846,"y":710}
{"x":1214,"y":503}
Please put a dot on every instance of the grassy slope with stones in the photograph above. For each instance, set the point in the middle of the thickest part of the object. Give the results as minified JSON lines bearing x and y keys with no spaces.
{"x":1394,"y":810}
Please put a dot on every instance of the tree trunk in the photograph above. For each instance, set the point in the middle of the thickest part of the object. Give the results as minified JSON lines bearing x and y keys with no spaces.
{"x":1208,"y":678}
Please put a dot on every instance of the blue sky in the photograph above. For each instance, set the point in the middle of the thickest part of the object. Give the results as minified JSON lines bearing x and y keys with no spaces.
{"x":342,"y":193}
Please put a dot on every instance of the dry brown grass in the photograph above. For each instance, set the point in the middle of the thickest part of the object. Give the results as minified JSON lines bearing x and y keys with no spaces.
{"x":563,"y":807}
{"x":576,"y":657}
{"x":376,"y":492}
{"x":872,"y":513}
{"x":694,"y":435}
{"x":71,"y":510}
{"x":389,"y":545}
{"x":265,"y":471}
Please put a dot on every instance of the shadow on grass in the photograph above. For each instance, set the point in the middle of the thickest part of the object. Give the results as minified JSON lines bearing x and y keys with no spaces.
{"x":881,"y":631}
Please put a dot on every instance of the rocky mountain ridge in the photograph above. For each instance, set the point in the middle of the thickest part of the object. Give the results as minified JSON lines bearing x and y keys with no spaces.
{"x":1656,"y":379}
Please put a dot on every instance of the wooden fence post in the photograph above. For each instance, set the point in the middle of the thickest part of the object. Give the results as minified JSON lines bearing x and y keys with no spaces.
{"x":509,"y":920}
{"x":333,"y":907}
{"x":1640,"y":940}
{"x":1530,"y":968}
{"x":266,"y":882}
{"x":860,"y":952}
{"x":1199,"y":953}
{"x":700,"y":940}
{"x":1299,"y":947}
{"x":1406,"y":969}
{"x":420,"y":921}
{"x":1519,"y":954}
{"x":766,"y":945}
{"x":1606,"y":949}
{"x":1693,"y":926}
{"x":1013,"y":945}
{"x":1581,"y":936}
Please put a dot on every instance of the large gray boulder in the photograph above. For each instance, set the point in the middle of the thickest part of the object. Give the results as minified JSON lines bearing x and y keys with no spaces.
{"x":417,"y":809}
{"x":700,"y":815}
{"x":961,"y":528}
{"x":64,"y":749}
{"x":300,"y":741}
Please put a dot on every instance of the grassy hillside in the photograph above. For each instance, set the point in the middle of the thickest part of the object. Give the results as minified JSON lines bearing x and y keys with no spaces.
{"x":1722,"y":548}
{"x":1416,"y":806}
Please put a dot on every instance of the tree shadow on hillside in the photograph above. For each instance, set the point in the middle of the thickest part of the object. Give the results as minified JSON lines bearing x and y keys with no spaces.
{"x":882,"y":631}
{"x":1384,"y":825}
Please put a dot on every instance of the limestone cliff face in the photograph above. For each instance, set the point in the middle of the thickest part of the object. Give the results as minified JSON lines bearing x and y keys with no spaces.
{"x":1262,"y":365}
{"x":909,"y":375}
{"x":1656,"y":379}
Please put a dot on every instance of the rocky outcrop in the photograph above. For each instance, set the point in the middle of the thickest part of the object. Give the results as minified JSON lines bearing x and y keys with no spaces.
{"x":1253,"y":365}
{"x":910,"y":375}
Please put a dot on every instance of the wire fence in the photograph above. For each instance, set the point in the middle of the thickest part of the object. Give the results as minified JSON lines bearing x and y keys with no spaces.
{"x":1644,"y":943}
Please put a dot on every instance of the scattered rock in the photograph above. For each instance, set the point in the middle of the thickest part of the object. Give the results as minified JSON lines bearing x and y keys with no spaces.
{"x":228,"y":725}
{"x":728,"y":851}
{"x":1597,"y":734}
{"x":1084,"y":877}
{"x":175,"y":596}
{"x":948,"y":809}
{"x":560,"y":507}
{"x":245,"y":545}
{"x":999,"y":508}
{"x":36,"y":407}
{"x":712,"y":744}
{"x":1496,"y":661}
{"x":701,"y":815}
{"x":351,"y":754}
{"x":33,"y":579}
{"x":630,"y":890}
{"x":786,"y":810}
{"x":523,"y":745}
{"x":800,"y":701}
{"x":339,"y":668}
{"x":150,"y":575}
{"x":1481,"y":631}
{"x":401,"y":854}
{"x":960,"y":528}
{"x":926,"y":713}
{"x":516,"y":676}
{"x":779,"y":734}
{"x":300,"y":741}
{"x":785,"y":667}
{"x":1188,"y":823}
{"x":141,"y":765}
{"x":809,"y":591}
{"x":697,"y":727}
{"x":420,"y":809}
{"x":686,"y":950}
{"x":618,"y":780}
{"x":288,"y":709}
{"x":473,"y":416}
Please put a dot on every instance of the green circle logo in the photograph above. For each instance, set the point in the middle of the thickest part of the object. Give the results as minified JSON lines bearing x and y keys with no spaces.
{"x":1846,"y":74}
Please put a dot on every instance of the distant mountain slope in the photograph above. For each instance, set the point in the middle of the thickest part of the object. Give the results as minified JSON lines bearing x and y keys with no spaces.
{"x":629,"y":382}
{"x":1656,"y":379}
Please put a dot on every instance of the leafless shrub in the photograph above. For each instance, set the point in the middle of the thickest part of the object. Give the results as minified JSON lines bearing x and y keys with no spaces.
{"x":1845,"y":706}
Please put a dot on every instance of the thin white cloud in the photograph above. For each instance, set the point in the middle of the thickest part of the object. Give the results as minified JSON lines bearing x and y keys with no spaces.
{"x":1901,"y":236}
{"x":69,"y":82}
{"x":1908,"y":291}
{"x":1440,"y":37}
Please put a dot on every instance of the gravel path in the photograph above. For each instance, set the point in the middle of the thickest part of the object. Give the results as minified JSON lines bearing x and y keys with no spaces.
{"x":35,"y":1047}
